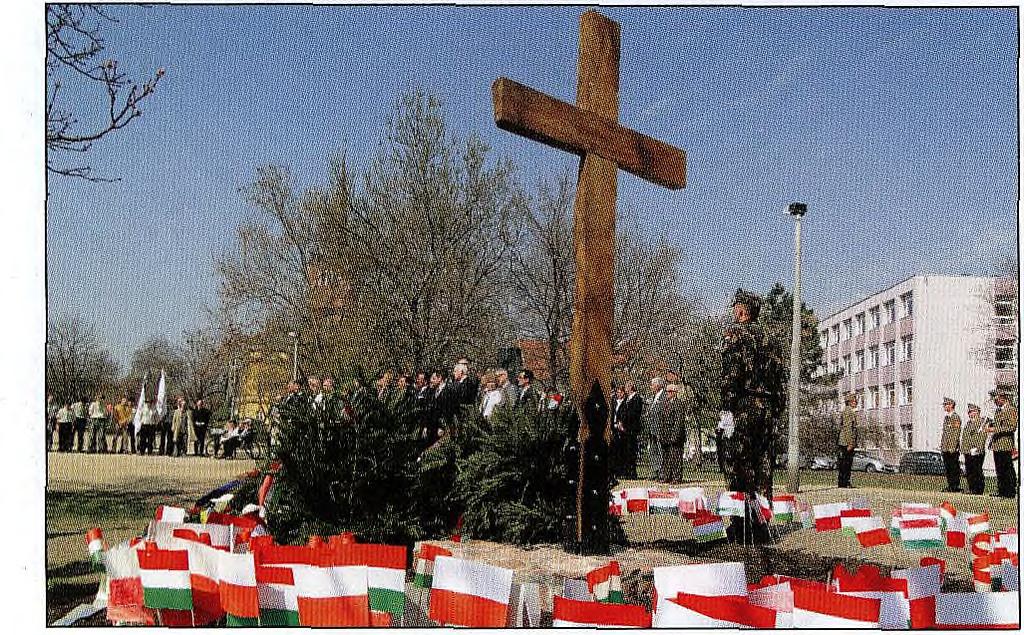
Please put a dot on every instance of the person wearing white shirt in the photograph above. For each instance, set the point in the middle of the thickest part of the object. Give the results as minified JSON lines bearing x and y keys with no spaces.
{"x":492,"y":397}
{"x":97,"y":425}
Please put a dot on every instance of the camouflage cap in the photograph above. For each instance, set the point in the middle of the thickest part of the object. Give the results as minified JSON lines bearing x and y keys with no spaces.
{"x":948,"y":400}
{"x":751,"y":300}
{"x":974,"y":407}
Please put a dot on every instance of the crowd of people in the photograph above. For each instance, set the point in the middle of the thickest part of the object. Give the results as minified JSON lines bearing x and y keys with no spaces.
{"x":100,"y":426}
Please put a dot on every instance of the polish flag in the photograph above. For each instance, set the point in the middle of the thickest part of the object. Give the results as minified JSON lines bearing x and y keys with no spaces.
{"x":332,"y":595}
{"x":977,"y":611}
{"x":686,"y":610}
{"x":636,"y":500}
{"x":605,"y":583}
{"x":732,"y":504}
{"x":956,"y":532}
{"x":204,"y":574}
{"x":825,"y":609}
{"x":711,"y":579}
{"x":977,"y":523}
{"x":827,"y":516}
{"x":1008,"y":540}
{"x":578,"y":614}
{"x":659,"y":502}
{"x":872,"y":533}
{"x":981,"y":569}
{"x":425,"y":564}
{"x":617,"y":504}
{"x":467,"y":593}
{"x":125,"y":598}
{"x":239,"y":595}
{"x":165,"y":578}
{"x":168,"y":514}
{"x":278,"y":598}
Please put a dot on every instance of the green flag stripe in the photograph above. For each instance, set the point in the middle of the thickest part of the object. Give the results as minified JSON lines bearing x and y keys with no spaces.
{"x":423,"y":581}
{"x":709,"y":537}
{"x":234,"y":620}
{"x":923,"y":544}
{"x":156,"y":598}
{"x":279,"y":617}
{"x":387,"y":600}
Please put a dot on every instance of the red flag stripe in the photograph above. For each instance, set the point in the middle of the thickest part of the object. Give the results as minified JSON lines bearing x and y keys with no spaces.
{"x":337,"y":611}
{"x":854,"y":513}
{"x":240,"y":601}
{"x":874,"y":537}
{"x":163,"y":559}
{"x":429,"y":552}
{"x":827,"y":524}
{"x":284,"y":554}
{"x":728,"y":609}
{"x":449,"y":607}
{"x":582,"y":612}
{"x":844,"y":606}
{"x":918,"y":523}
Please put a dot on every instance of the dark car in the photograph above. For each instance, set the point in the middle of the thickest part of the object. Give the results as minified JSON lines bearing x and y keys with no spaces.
{"x":922,"y":463}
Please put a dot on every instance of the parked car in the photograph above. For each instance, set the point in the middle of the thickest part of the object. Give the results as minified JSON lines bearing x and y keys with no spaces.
{"x":922,"y":462}
{"x":823,"y":463}
{"x":865,"y":461}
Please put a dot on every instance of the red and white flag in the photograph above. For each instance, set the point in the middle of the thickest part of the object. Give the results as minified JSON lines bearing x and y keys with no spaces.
{"x":956,"y":532}
{"x":871,"y":532}
{"x":578,"y":614}
{"x":169,"y":514}
{"x":712,"y":579}
{"x":467,"y":593}
{"x":851,"y":519}
{"x":947,"y":511}
{"x":636,"y":500}
{"x":692,"y":501}
{"x":125,"y":602}
{"x":981,"y":544}
{"x":605,"y":583}
{"x":732,"y":504}
{"x":827,"y":516}
{"x":977,"y":611}
{"x":814,"y":608}
{"x":981,"y":570}
{"x":687,"y":610}
{"x":617,"y":504}
{"x":204,"y":573}
{"x":764,"y":507}
{"x":239,"y":595}
{"x":332,"y":595}
{"x":978,"y":523}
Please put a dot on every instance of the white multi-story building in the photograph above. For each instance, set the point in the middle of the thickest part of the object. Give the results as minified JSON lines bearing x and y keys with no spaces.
{"x":902,"y":350}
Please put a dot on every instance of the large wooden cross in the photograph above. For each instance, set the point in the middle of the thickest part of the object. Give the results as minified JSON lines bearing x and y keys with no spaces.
{"x":591,"y":130}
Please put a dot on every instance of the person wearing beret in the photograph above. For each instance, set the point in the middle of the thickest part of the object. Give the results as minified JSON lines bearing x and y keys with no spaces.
{"x":950,"y":445}
{"x":1004,"y":431}
{"x":972,"y":444}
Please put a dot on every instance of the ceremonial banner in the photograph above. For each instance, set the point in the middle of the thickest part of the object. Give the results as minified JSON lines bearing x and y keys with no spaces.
{"x":569,"y":613}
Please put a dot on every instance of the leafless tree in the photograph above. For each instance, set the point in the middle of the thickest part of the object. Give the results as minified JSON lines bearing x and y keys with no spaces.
{"x":997,"y":318}
{"x":76,"y":65}
{"x":155,"y":354}
{"x":77,"y":363}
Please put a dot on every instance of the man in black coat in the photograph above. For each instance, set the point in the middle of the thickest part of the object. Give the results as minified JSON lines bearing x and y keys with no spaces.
{"x":529,"y":397}
{"x":629,"y":416}
{"x":465,"y":386}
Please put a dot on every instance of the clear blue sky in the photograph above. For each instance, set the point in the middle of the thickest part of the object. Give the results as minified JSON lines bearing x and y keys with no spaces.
{"x":898,"y":128}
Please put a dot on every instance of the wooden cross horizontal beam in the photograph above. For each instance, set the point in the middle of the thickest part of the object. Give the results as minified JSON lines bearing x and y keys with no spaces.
{"x":530,"y":113}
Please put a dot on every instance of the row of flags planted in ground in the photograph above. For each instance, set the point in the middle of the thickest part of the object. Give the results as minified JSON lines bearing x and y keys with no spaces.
{"x":228,"y":568}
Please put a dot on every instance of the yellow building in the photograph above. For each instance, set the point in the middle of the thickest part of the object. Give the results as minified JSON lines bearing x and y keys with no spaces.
{"x":262,"y":383}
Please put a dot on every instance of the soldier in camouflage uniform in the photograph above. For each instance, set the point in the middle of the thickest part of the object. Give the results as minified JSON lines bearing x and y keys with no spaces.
{"x":752,"y":391}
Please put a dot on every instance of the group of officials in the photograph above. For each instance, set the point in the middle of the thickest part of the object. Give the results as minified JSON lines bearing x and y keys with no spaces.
{"x":972,"y":440}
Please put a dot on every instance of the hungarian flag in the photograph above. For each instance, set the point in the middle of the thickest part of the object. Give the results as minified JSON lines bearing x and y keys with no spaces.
{"x":94,"y":543}
{"x":806,"y":518}
{"x":764,"y":507}
{"x":605,"y":583}
{"x":385,"y":575}
{"x":813,"y":608}
{"x":425,"y":564}
{"x":715,"y":612}
{"x":166,"y":583}
{"x":125,"y":603}
{"x":981,"y":544}
{"x":922,"y":533}
{"x":204,"y":574}
{"x":717,"y":578}
{"x":947,"y":511}
{"x":872,"y":533}
{"x":708,"y":527}
{"x":692,"y":501}
{"x":168,"y":514}
{"x":827,"y":516}
{"x":330,"y":595}
{"x":662,"y":502}
{"x":782,"y":508}
{"x":636,"y":500}
{"x":977,"y":611}
{"x":239,"y":594}
{"x":851,"y":519}
{"x":956,"y":532}
{"x":467,"y":593}
{"x":894,"y":523}
{"x":278,"y":598}
{"x":578,"y":614}
{"x":978,"y":523}
{"x":732,"y":504}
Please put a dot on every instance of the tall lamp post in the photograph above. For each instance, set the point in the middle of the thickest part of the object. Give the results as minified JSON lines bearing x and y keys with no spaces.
{"x":295,"y":354}
{"x":797,"y":211}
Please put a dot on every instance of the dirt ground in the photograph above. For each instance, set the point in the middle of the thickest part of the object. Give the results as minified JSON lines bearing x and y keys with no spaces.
{"x":120,"y":493}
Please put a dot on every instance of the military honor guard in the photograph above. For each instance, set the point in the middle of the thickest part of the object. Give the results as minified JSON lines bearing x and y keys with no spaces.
{"x":1004,"y":431}
{"x":973,"y":444}
{"x":847,"y":440}
{"x":950,"y":445}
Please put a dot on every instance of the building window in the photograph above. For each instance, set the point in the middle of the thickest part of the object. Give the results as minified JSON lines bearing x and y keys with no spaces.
{"x":906,"y":392}
{"x":908,"y":437}
{"x":873,"y":397}
{"x":907,"y":305}
{"x":858,"y":362}
{"x":889,"y":354}
{"x":1006,"y":354}
{"x":875,"y":317}
{"x":823,"y":339}
{"x":835,"y":334}
{"x":831,"y":366}
{"x":889,"y":396}
{"x":872,"y":358}
{"x":858,"y":325}
{"x":906,"y":348}
{"x":847,"y":329}
{"x":1005,"y":309}
{"x":890,"y":311}
{"x":847,"y":365}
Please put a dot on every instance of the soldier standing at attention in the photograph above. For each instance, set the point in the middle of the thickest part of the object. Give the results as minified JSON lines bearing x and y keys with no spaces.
{"x":973,"y":446}
{"x":950,"y":445}
{"x":754,"y":395}
{"x":1003,"y":429}
{"x":847,"y":440}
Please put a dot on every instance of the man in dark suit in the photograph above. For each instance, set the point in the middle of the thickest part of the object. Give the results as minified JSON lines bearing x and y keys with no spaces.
{"x":629,"y":416}
{"x":443,"y":406}
{"x":464,"y":386}
{"x":529,"y":397}
{"x":672,"y":434}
